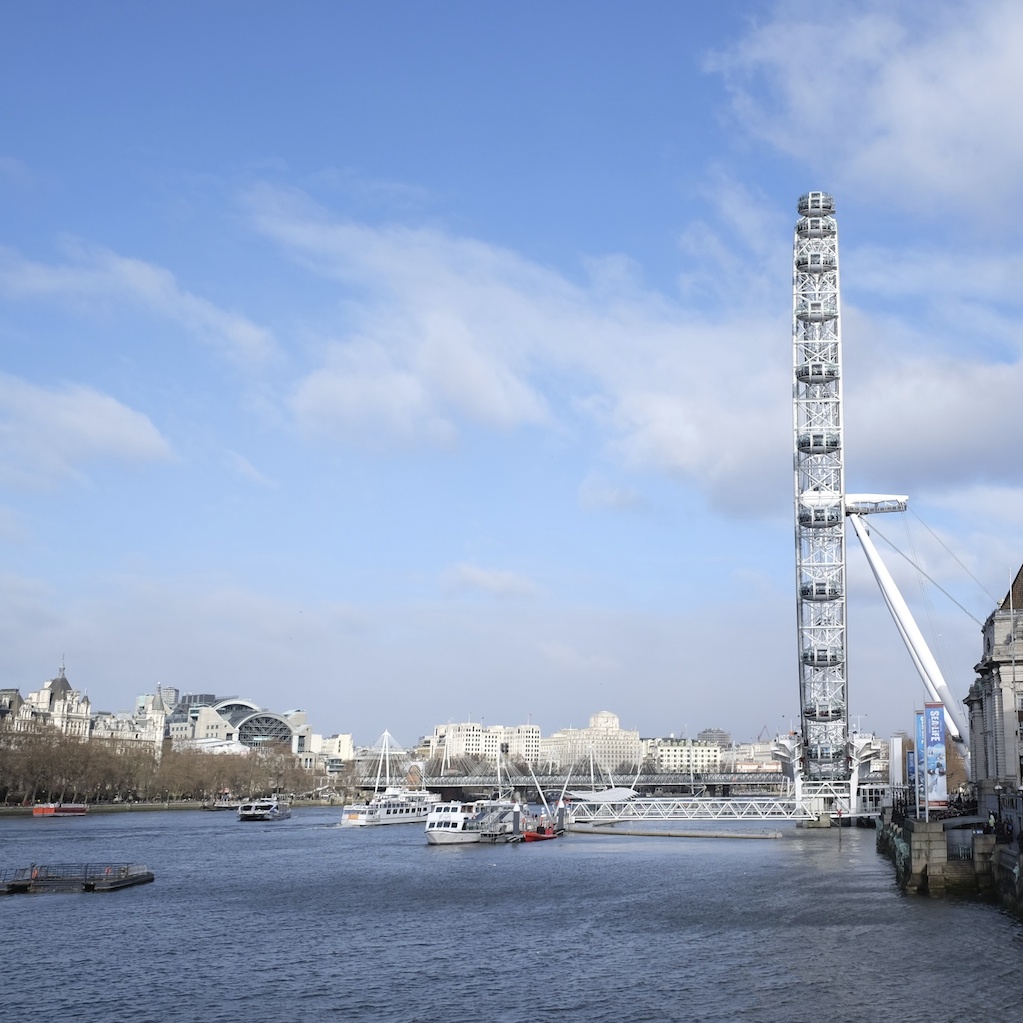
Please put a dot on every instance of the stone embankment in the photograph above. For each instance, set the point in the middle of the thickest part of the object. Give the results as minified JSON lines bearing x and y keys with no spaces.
{"x":940,"y":858}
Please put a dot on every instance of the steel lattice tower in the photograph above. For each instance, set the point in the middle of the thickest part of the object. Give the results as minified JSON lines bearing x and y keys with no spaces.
{"x":819,"y":490}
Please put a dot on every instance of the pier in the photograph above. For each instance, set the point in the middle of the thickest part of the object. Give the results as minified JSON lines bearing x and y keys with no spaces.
{"x":73,"y":877}
{"x":688,"y":809}
{"x":593,"y":829}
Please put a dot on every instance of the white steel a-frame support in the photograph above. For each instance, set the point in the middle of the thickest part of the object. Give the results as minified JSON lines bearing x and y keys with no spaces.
{"x":923,"y":659}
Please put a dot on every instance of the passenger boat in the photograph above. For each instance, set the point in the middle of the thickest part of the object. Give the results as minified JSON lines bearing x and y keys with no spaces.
{"x":222,"y":803}
{"x":391,"y":803}
{"x":60,"y":810}
{"x":397,"y":804}
{"x":465,"y":823}
{"x":264,"y":810}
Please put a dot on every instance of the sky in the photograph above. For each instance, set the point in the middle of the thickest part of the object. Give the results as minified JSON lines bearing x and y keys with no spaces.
{"x":409,"y":363}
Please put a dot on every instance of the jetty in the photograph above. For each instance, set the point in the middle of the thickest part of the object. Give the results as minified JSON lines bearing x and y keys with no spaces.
{"x":73,"y":877}
{"x":594,"y":829}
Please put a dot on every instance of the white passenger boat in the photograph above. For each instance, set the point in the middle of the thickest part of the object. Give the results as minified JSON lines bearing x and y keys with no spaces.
{"x":271,"y":809}
{"x":395,"y":805}
{"x":464,"y":823}
{"x":391,"y":804}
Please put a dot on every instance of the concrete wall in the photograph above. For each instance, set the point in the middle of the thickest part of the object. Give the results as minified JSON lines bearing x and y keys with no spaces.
{"x":919,"y":851}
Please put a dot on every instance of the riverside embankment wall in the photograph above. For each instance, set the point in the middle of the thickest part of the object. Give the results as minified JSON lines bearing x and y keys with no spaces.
{"x":919,"y":851}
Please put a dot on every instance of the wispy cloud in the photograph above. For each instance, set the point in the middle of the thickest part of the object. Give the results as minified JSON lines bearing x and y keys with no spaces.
{"x":440,"y":331}
{"x":361,"y":396}
{"x":95,"y":273}
{"x":465,"y":577}
{"x":241,"y":466}
{"x":904,"y":101}
{"x":597,"y":492}
{"x":47,"y":434}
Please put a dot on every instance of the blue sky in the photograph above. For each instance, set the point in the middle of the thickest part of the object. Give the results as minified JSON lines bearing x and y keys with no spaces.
{"x":412,"y":362}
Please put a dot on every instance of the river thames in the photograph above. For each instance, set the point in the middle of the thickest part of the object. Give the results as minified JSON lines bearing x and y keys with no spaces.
{"x":301,"y":919}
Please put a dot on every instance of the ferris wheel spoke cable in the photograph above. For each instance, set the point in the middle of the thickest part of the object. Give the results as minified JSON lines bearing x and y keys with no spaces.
{"x":951,"y":554}
{"x":877,"y":532}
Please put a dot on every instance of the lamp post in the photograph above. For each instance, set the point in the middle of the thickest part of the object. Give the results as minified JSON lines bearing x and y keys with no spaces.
{"x":1019,"y":817}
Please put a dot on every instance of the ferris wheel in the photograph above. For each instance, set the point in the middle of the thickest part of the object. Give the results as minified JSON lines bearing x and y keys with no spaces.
{"x":822,"y":506}
{"x":819,"y":489}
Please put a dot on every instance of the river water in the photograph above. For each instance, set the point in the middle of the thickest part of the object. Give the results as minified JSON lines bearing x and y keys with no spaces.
{"x":303,"y":920}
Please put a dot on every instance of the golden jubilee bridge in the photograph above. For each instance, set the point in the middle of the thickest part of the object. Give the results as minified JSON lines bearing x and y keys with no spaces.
{"x":642,"y":796}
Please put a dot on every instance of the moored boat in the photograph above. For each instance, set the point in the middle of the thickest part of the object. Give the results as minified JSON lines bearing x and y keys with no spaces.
{"x":224,"y":803}
{"x":270,"y":809}
{"x":453,"y":823}
{"x":461,"y":822}
{"x":541,"y":833}
{"x":60,"y":810}
{"x":397,"y":804}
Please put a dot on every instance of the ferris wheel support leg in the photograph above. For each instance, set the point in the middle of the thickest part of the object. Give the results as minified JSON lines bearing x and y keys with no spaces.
{"x":918,"y":649}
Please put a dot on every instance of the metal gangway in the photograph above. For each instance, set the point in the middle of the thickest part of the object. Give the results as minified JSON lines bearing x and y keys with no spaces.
{"x":755,"y":808}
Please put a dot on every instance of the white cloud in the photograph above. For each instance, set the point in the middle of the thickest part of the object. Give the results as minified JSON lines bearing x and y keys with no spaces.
{"x":465,"y":577}
{"x":98,"y":274}
{"x":597,"y":492}
{"x":46,"y":434}
{"x":362,"y":397}
{"x":938,"y":423}
{"x":438,"y":330}
{"x":998,"y":504}
{"x":908,"y":101}
{"x":240,"y":465}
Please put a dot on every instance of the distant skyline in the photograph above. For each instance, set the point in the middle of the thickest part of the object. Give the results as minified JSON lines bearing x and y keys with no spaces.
{"x":399,"y":362}
{"x":426,"y":729}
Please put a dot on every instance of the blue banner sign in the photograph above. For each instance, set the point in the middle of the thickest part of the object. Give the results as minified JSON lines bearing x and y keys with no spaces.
{"x":934,"y":746}
{"x":918,"y":756}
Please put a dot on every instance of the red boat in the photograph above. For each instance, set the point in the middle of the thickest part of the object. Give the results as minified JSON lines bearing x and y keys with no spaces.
{"x":541,"y":834}
{"x":59,"y":810}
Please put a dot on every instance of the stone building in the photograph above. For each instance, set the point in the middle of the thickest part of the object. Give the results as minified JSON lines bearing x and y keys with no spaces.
{"x":483,"y":742}
{"x":604,"y":740}
{"x":10,"y":703}
{"x":143,"y":728}
{"x":336,"y":751}
{"x":56,"y":705}
{"x":684,"y":756}
{"x":716,"y":735}
{"x":995,"y":704}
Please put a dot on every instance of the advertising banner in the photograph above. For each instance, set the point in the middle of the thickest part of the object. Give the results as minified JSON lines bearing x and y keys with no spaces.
{"x":918,"y":756}
{"x":934,"y":721}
